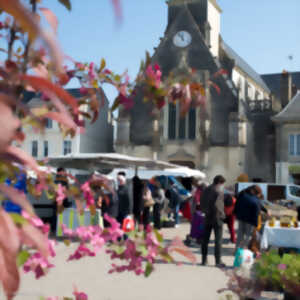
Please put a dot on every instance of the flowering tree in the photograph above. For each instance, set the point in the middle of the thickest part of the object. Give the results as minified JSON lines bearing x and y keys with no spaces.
{"x":34,"y":62}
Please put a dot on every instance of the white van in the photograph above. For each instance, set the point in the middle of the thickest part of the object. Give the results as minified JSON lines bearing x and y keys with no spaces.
{"x":275,"y":192}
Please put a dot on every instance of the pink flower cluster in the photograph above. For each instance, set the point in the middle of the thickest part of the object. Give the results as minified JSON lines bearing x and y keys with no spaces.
{"x":87,"y":194}
{"x":94,"y":235}
{"x":60,"y":194}
{"x":154,"y":74}
{"x":37,"y":264}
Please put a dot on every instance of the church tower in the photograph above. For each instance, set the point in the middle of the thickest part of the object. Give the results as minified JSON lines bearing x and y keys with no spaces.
{"x":207,"y":15}
{"x":204,"y":138}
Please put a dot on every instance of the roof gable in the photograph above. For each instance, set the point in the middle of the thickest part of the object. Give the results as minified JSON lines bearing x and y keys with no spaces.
{"x":244,"y":66}
{"x":291,"y":113}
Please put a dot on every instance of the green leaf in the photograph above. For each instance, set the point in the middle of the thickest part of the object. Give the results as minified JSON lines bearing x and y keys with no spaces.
{"x":149,"y":269}
{"x":158,"y":236}
{"x":143,"y":250}
{"x":66,"y":4}
{"x":22,"y":258}
{"x":167,"y":257}
{"x":118,"y":249}
{"x":19,"y":220}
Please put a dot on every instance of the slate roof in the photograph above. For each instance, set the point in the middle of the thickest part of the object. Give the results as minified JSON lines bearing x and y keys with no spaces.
{"x":291,"y":112}
{"x":273,"y":81}
{"x":244,"y":66}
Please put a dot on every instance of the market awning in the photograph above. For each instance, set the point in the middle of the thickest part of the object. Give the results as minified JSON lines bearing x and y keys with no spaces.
{"x":148,"y":174}
{"x":98,"y":161}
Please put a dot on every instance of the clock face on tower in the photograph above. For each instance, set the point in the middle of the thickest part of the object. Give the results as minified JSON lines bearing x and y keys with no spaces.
{"x":182,"y":39}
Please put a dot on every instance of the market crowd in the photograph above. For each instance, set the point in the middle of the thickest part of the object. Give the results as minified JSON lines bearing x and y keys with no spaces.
{"x":162,"y":201}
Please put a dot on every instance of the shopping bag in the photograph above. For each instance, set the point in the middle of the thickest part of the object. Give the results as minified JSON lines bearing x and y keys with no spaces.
{"x":128,"y":224}
{"x":243,"y":258}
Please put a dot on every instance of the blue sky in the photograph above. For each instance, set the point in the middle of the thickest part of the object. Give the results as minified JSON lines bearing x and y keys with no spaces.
{"x":263,"y":32}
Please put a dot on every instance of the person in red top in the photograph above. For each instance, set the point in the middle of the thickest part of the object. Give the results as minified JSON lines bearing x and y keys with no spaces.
{"x":229,"y":204}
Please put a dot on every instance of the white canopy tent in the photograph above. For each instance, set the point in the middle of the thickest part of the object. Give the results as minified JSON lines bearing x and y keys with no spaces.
{"x":98,"y":161}
{"x":148,"y":174}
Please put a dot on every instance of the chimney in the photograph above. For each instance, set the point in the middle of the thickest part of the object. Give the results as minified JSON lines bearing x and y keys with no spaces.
{"x":285,"y":88}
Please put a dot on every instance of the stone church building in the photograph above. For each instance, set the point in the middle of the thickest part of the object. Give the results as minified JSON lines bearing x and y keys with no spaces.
{"x":236,"y":134}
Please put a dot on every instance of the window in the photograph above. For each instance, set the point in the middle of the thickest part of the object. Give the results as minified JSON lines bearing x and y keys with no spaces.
{"x":295,"y":191}
{"x":34,"y":148}
{"x":67,"y":147}
{"x":46,"y":149}
{"x":294,"y":144}
{"x":179,"y":127}
{"x":49,"y":123}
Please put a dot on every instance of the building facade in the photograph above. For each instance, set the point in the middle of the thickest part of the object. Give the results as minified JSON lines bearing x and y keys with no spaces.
{"x":235,"y":133}
{"x":98,"y":137}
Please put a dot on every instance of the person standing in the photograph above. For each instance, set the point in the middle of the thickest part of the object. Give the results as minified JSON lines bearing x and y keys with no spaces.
{"x":247,"y":211}
{"x":174,"y":202}
{"x":212,"y":205}
{"x":125,"y":205}
{"x":158,"y":196}
{"x":138,"y":203}
{"x":148,"y":202}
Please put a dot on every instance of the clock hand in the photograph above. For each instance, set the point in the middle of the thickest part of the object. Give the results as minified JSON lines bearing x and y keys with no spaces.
{"x":181,"y":36}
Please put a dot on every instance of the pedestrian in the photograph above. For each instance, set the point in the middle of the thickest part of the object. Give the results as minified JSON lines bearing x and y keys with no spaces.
{"x":138,"y":204}
{"x":148,"y":204}
{"x":108,"y":201}
{"x":125,"y":205}
{"x":247,"y":211}
{"x":197,"y":193}
{"x":158,"y":196}
{"x":212,"y":205}
{"x":229,"y":204}
{"x":175,"y":201}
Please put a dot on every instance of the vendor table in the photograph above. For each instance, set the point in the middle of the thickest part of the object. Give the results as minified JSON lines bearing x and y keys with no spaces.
{"x":281,"y":237}
{"x":73,"y":219}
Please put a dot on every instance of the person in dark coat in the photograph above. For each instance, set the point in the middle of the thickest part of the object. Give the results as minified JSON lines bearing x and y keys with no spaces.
{"x":247,"y":210}
{"x":138,"y":202}
{"x":108,"y":201}
{"x":125,"y":205}
{"x":212,"y":205}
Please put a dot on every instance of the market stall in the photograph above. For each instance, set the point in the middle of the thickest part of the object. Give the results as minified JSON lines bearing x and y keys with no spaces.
{"x":281,"y":235}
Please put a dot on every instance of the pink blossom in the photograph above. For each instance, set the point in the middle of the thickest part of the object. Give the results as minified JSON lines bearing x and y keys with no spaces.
{"x":114,"y":231}
{"x":37,"y":264}
{"x":127,"y":102}
{"x":92,"y":74}
{"x":79,"y":295}
{"x":154,"y":75}
{"x":282,"y":267}
{"x":60,"y":194}
{"x":80,"y":252}
{"x":36,"y":222}
{"x":66,"y":231}
{"x":87,"y":194}
{"x":107,"y":71}
{"x":83,"y":90}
